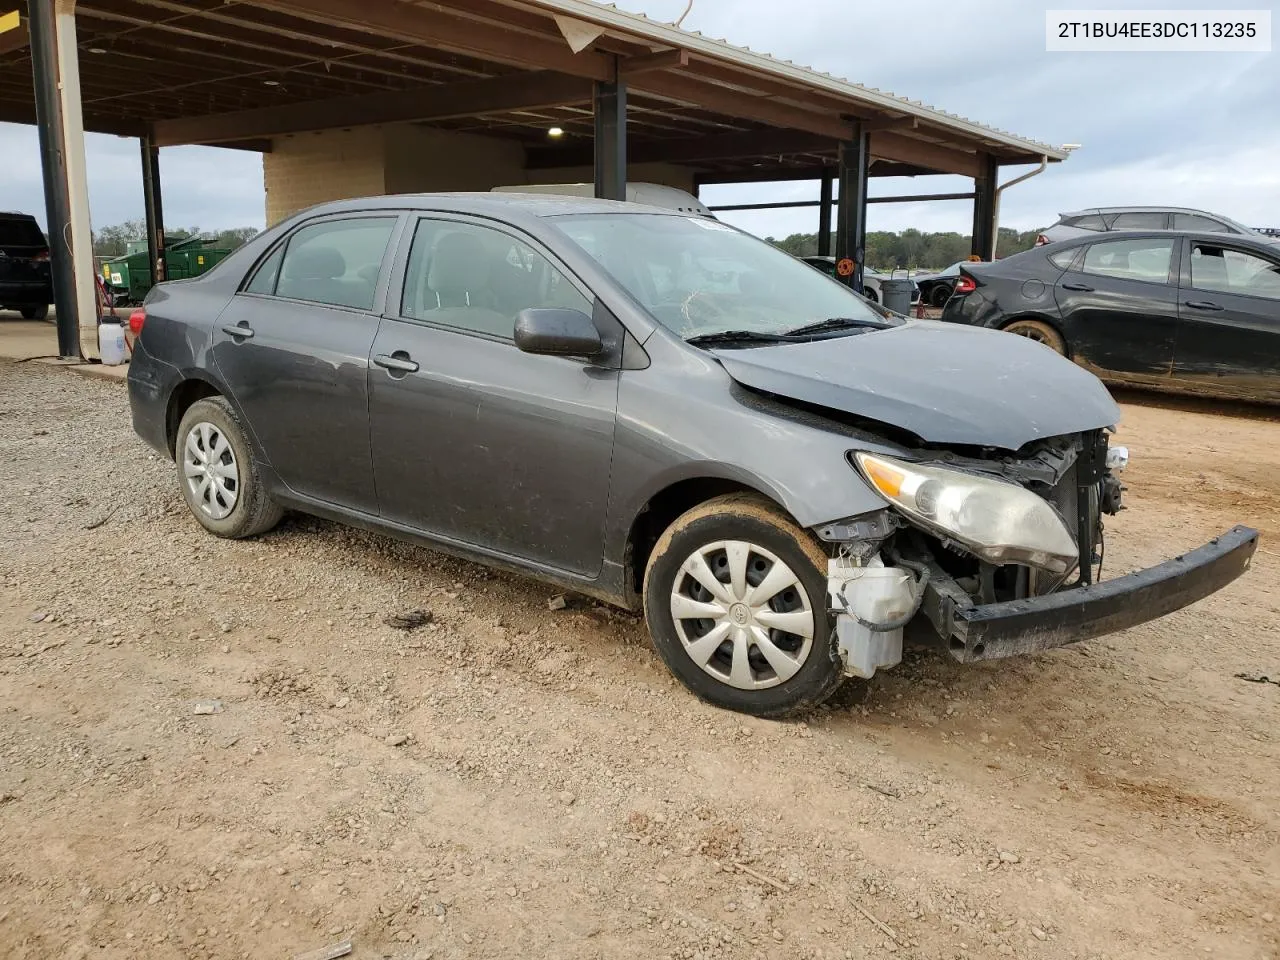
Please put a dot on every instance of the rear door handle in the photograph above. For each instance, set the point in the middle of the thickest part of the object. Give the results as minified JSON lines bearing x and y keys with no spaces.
{"x":241,"y":330}
{"x":1077,"y":286}
{"x":398,"y":361}
{"x":1202,"y":305}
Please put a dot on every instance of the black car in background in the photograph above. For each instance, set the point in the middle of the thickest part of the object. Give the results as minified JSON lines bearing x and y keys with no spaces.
{"x":26,"y":284}
{"x":1192,"y":312}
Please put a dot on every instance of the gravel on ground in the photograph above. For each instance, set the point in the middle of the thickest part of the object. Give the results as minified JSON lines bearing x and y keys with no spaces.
{"x":258,"y":749}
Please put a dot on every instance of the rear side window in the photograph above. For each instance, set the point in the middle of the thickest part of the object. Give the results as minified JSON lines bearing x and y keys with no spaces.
{"x":20,"y":232}
{"x":1232,"y":271}
{"x":1091,"y":221}
{"x":335,"y":262}
{"x":1146,"y":259}
{"x":1062,"y":259}
{"x":1192,"y":221}
{"x":1139,"y":221}
{"x":264,"y":281}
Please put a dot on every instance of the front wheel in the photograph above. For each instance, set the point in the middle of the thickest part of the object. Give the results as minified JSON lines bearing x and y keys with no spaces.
{"x":35,"y":313}
{"x":735,"y":601}
{"x":940,"y":294}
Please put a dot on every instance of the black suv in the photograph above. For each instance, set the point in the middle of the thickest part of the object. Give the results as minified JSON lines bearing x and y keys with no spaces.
{"x":25,"y":281}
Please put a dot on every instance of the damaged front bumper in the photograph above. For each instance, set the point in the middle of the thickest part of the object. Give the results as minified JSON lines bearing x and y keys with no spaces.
{"x":990,"y":631}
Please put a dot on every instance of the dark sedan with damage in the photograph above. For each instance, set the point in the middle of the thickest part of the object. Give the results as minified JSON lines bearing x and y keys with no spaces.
{"x":661,"y":411}
{"x":1188,"y":312}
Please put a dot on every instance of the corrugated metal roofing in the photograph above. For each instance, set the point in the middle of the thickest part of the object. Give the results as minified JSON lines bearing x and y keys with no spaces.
{"x":637,"y":26}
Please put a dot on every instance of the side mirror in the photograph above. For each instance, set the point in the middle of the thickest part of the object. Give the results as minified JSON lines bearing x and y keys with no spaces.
{"x":557,"y":332}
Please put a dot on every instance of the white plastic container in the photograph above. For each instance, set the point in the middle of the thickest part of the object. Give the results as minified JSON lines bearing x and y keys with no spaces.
{"x":111,"y":346}
{"x":877,"y":594}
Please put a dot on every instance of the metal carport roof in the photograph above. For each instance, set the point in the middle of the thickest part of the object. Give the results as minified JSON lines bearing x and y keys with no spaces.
{"x":237,"y":73}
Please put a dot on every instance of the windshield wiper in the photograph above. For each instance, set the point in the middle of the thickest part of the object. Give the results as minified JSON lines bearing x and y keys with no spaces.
{"x":737,"y":336}
{"x":833,"y":323}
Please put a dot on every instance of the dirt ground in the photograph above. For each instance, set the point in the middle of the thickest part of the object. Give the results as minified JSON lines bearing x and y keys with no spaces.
{"x":513,"y":781}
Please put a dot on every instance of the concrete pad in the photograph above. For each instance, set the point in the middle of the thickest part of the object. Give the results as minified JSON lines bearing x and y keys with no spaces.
{"x":26,"y":339}
{"x":37,"y":340}
{"x":100,"y":371}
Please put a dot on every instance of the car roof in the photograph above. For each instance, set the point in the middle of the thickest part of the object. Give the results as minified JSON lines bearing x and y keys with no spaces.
{"x":1087,"y":210}
{"x":1264,"y":244}
{"x":15,"y":215}
{"x":492,"y":204}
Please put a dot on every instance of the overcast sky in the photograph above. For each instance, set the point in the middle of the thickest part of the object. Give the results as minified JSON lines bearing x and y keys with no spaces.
{"x":1187,"y":129}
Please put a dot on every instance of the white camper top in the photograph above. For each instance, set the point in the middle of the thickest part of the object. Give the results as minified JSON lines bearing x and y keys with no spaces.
{"x":654,"y":194}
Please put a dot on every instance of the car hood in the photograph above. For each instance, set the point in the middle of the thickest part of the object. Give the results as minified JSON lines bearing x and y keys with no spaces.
{"x":945,"y":383}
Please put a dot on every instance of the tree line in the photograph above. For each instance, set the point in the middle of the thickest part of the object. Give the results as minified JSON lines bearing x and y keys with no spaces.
{"x":113,"y":241}
{"x":912,"y":249}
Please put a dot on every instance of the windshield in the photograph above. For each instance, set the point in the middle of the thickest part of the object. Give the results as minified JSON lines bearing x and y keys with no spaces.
{"x":699,"y":277}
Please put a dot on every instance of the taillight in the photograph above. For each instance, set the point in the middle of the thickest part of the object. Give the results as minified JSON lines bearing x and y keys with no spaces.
{"x":965,"y":285}
{"x":1041,"y":240}
{"x":41,"y":257}
{"x":136,"y":320}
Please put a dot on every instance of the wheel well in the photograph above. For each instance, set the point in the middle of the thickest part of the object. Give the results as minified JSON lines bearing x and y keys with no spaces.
{"x":1039,"y":318}
{"x":659,"y":513}
{"x":180,"y":401}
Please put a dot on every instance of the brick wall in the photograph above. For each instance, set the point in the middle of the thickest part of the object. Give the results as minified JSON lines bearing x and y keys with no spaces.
{"x":310,"y":168}
{"x":423,"y":160}
{"x":306,"y":169}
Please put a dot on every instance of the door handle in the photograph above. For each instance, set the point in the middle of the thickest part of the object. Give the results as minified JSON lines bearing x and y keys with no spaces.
{"x":1202,"y":305}
{"x":241,"y":330}
{"x":1082,"y":288}
{"x":398,"y":361}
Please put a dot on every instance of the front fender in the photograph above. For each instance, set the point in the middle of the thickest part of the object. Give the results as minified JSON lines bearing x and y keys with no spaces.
{"x":798,"y":459}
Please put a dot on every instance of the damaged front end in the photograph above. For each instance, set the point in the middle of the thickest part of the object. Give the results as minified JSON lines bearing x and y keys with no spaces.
{"x":1000,"y":554}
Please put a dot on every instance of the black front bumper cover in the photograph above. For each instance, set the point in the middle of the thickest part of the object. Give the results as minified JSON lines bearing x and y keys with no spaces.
{"x":994,"y":630}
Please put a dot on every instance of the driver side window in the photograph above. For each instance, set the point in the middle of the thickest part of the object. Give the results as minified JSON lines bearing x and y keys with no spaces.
{"x":477,"y":279}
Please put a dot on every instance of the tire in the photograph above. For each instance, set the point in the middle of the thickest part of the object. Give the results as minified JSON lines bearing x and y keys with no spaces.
{"x":1040,"y":332}
{"x":870,"y":294}
{"x":736,"y":673}
{"x":939,"y":295}
{"x":234,"y":510}
{"x":35,"y":313}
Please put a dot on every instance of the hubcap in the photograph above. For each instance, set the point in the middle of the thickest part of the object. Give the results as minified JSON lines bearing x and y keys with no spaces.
{"x":742,"y":615}
{"x":209,"y":466}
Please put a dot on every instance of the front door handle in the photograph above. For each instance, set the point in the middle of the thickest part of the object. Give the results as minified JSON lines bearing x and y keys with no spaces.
{"x":241,"y":330}
{"x":1202,"y":305}
{"x":398,"y":361}
{"x":1082,"y":288}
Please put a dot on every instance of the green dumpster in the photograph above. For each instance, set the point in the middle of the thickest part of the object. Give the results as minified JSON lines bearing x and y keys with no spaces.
{"x":128,"y":277}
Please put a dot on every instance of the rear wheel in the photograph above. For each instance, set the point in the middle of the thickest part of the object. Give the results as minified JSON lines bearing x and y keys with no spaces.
{"x":1040,"y":332}
{"x":35,"y":313}
{"x":217,"y":475}
{"x":735,"y":600}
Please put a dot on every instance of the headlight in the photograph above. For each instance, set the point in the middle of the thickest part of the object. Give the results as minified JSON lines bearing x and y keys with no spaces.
{"x":1000,"y":522}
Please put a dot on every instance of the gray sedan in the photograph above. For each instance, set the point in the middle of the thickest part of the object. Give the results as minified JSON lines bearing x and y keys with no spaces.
{"x":660,"y":411}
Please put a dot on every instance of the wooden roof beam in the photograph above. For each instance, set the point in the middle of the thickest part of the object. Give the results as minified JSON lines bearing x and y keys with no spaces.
{"x":320,"y":47}
{"x":729,"y":146}
{"x":443,"y":30}
{"x":629,"y":67}
{"x":689,"y":89}
{"x":900,"y":148}
{"x":466,"y":99}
